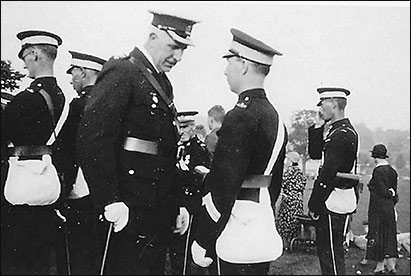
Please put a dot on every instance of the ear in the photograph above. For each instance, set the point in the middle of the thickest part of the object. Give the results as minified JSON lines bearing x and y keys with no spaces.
{"x":83,"y":73}
{"x":245,"y":66}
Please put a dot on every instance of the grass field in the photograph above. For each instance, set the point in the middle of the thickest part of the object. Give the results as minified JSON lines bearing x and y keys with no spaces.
{"x":304,"y":261}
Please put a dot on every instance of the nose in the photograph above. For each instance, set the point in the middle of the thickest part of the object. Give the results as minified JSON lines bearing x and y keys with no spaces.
{"x":178,"y":53}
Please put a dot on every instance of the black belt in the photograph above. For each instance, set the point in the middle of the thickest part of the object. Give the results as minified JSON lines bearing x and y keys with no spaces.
{"x":29,"y":151}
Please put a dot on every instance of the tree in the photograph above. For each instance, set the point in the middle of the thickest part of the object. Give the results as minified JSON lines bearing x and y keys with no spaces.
{"x":400,"y":162}
{"x":9,"y":77}
{"x":298,"y":135}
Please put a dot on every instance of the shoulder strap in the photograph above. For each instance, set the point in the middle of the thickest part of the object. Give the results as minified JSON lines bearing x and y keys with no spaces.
{"x":50,"y":106}
{"x":155,"y":84}
{"x":49,"y":103}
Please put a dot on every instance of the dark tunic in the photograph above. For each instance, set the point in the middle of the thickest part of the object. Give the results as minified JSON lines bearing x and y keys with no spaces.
{"x":340,"y":151}
{"x":65,"y":145}
{"x":27,"y":233}
{"x":382,"y":226}
{"x":77,"y":211}
{"x":245,"y":144}
{"x":124,"y":104}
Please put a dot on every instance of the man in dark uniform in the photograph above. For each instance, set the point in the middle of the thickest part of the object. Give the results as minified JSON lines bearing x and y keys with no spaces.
{"x":237,"y":217}
{"x":191,"y":152}
{"x":29,"y":232}
{"x":84,"y":70}
{"x":127,"y":147}
{"x":339,"y":152}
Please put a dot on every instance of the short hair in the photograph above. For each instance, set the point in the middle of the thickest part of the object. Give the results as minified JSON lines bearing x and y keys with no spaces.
{"x":49,"y":50}
{"x":259,"y":68}
{"x":200,"y":129}
{"x":341,"y":103}
{"x":217,"y":112}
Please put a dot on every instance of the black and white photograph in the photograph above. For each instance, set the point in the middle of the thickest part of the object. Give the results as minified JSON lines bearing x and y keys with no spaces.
{"x":205,"y":137}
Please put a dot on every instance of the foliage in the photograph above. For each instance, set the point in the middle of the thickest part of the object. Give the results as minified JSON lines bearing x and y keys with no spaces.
{"x":298,"y":134}
{"x":9,"y":77}
{"x":400,"y":162}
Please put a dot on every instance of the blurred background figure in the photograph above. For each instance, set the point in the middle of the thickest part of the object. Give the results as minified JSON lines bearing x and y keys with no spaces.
{"x":382,"y":225}
{"x":200,"y":131}
{"x":215,"y":120}
{"x":191,"y":152}
{"x":291,"y":203}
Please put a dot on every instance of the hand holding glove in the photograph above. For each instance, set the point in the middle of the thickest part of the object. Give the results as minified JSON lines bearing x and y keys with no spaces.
{"x":199,"y":257}
{"x":118,"y":213}
{"x":182,"y":221}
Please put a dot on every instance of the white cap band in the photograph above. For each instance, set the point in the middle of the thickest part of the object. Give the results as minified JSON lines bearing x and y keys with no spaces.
{"x":251,"y":54}
{"x":39,"y":39}
{"x":86,"y":64}
{"x":333,"y":94}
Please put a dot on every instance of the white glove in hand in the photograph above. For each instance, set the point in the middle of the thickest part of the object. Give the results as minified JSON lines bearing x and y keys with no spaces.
{"x":117,"y":213}
{"x":201,"y":169}
{"x":313,"y":215}
{"x":198,"y":254}
{"x":182,"y":221}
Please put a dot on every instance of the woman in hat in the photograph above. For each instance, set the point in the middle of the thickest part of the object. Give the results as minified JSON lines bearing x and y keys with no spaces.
{"x":382,"y":233}
{"x":293,"y":187}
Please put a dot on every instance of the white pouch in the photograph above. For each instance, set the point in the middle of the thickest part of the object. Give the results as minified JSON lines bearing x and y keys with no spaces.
{"x":32,"y":182}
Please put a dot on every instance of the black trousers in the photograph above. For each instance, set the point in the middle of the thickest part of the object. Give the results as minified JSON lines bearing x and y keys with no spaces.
{"x":81,"y":241}
{"x":29,"y":236}
{"x":330,"y":236}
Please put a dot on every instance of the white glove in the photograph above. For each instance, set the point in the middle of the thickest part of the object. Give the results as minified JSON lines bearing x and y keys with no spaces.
{"x":198,"y":254}
{"x":117,"y":213}
{"x":182,"y":221}
{"x":201,"y":169}
{"x":392,"y":191}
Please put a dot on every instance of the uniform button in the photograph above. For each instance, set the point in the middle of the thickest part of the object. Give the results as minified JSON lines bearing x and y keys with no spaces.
{"x":151,"y":112}
{"x":153,"y":106}
{"x":154,"y":183}
{"x":131,"y":172}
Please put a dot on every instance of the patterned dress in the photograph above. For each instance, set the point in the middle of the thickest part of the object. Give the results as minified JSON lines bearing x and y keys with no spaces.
{"x":293,"y":187}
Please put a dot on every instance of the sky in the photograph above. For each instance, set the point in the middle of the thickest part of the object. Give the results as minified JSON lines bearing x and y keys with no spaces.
{"x":363,"y":46}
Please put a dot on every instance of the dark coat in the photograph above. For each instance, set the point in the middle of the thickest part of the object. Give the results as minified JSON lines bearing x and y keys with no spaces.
{"x":65,"y":144}
{"x":124,"y":104}
{"x":340,"y":152}
{"x":245,"y":143}
{"x":26,"y":120}
{"x":382,"y":230}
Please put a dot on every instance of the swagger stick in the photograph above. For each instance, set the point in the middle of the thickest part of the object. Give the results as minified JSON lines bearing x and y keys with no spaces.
{"x":186,"y":249}
{"x":110,"y":228}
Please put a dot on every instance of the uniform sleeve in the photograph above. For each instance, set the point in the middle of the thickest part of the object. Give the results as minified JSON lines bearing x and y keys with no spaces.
{"x":223,"y":183}
{"x":324,"y":184}
{"x":315,"y":142}
{"x":101,"y":133}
